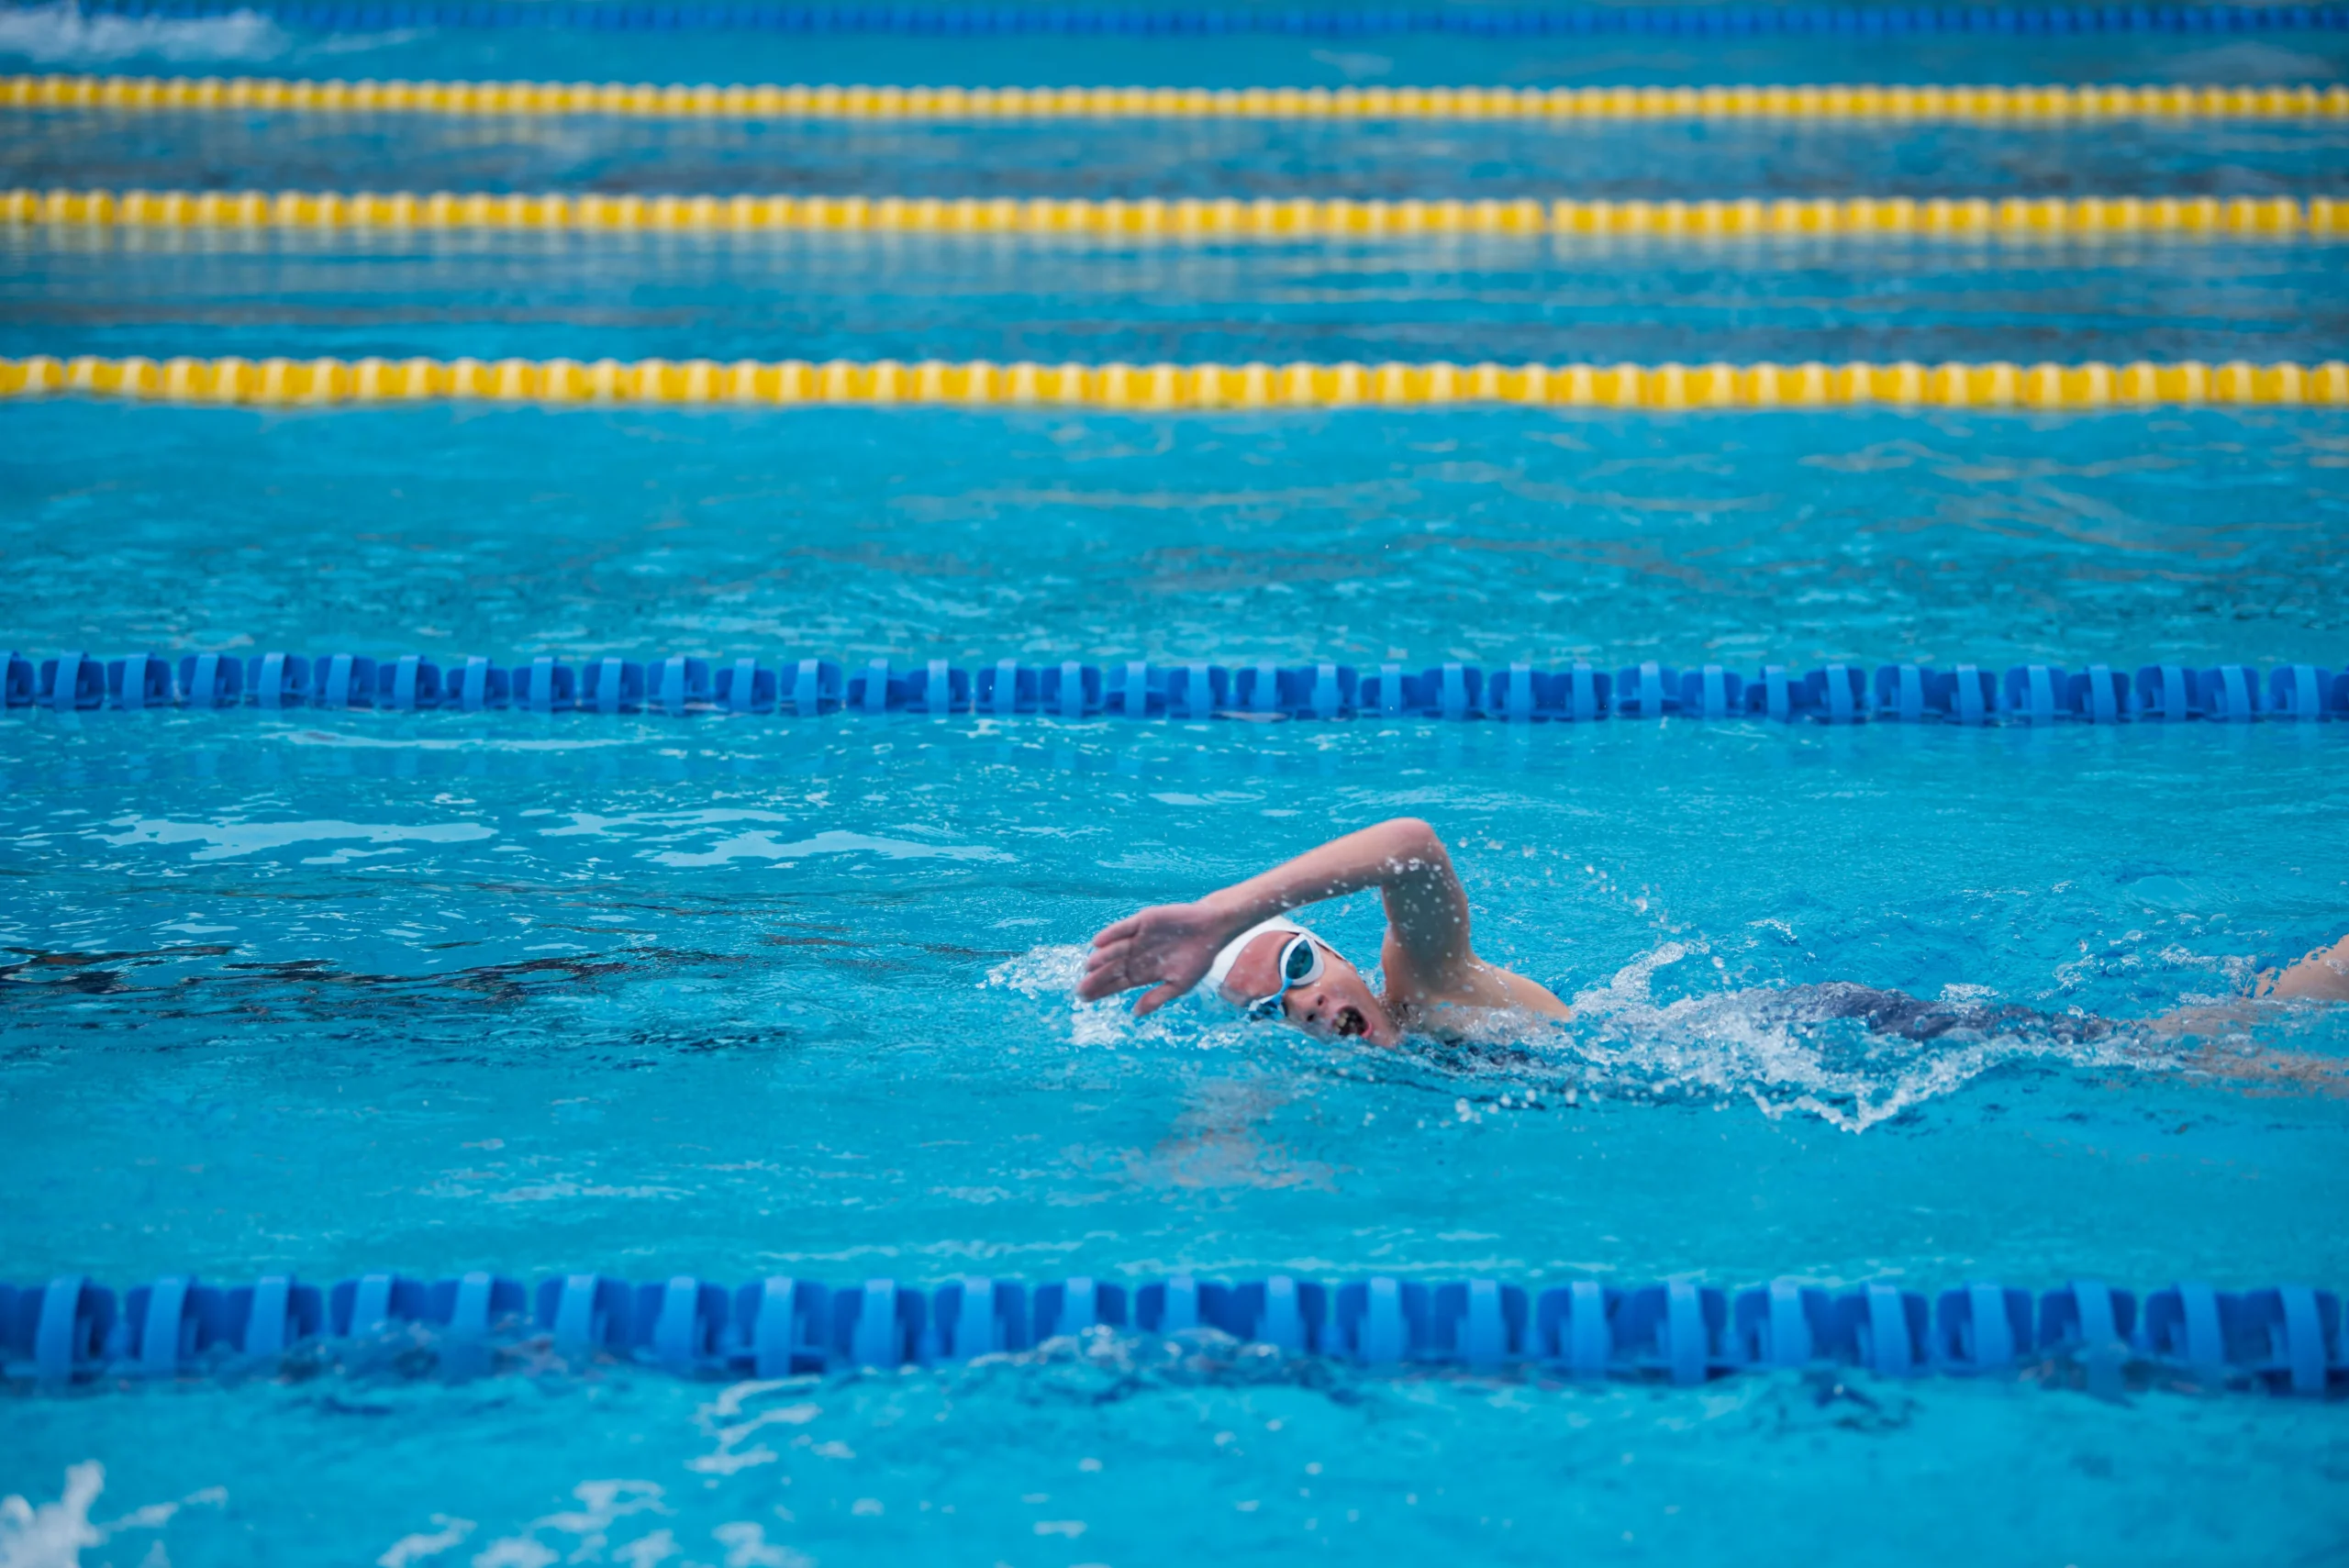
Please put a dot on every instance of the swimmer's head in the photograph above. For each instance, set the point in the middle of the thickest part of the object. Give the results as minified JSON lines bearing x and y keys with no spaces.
{"x":1279,"y":967}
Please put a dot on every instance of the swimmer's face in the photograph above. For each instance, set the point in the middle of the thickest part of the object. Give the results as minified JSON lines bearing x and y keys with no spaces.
{"x":1339,"y":1006}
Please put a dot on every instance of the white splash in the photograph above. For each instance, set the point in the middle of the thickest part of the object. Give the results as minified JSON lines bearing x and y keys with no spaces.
{"x":52,"y":35}
{"x":1050,"y":970}
{"x":227,"y":841}
{"x":603,"y":1504}
{"x":416,"y":1548}
{"x":1749,"y":1042}
{"x":1049,"y":974}
{"x":52,"y":1535}
{"x":738,"y":1415}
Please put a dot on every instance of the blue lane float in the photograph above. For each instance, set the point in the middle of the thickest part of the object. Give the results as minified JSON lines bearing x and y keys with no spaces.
{"x":683,"y":685}
{"x":1492,"y":21}
{"x":2285,"y":1338}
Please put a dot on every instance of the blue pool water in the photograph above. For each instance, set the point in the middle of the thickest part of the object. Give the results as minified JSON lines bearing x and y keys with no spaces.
{"x":332,"y":992}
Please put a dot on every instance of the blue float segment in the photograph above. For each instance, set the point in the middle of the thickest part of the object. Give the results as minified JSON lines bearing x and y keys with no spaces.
{"x":1510,"y":695}
{"x":272,"y":1316}
{"x":678,"y":685}
{"x":743,"y":686}
{"x":1283,"y":1311}
{"x":140,"y":681}
{"x":19,"y":680}
{"x":1444,"y":691}
{"x":408,"y":683}
{"x":1319,"y":691}
{"x":1004,"y":689}
{"x":1067,"y":690}
{"x":1783,"y":1324}
{"x":373,"y":1303}
{"x":1777,"y":694}
{"x":2185,"y":1325}
{"x":1679,"y":1328}
{"x":545,"y":685}
{"x":611,"y":686}
{"x":1071,"y":690}
{"x":1572,"y":1327}
{"x":585,"y":1314}
{"x":680,"y":1324}
{"x":1647,"y":691}
{"x":975,"y":1316}
{"x":71,"y":682}
{"x":1712,"y":692}
{"x":475,"y":1306}
{"x":208,"y":680}
{"x":1481,"y":1324}
{"x":868,"y":690}
{"x":2231,"y":693}
{"x":477,"y":686}
{"x":1907,"y":694}
{"x":1970,"y":695}
{"x":2085,"y":1315}
{"x":2099,"y":694}
{"x":1836,"y":695}
{"x":58,"y":1331}
{"x":937,"y":689}
{"x":1883,"y":1329}
{"x":1134,"y":690}
{"x":1379,"y":1322}
{"x":1981,"y":1329}
{"x":278,"y":680}
{"x":782,"y":1326}
{"x":342,"y":680}
{"x":2167,"y":692}
{"x":168,"y":1325}
{"x":1196,"y":691}
{"x":2036,"y":694}
{"x":813,"y":687}
{"x":876,"y":1326}
{"x":1077,"y":1306}
{"x":2292,"y":1337}
{"x":2302,"y":692}
{"x":1177,"y":1304}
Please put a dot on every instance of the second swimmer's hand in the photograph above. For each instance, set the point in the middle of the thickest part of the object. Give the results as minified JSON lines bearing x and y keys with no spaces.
{"x":1168,"y":948}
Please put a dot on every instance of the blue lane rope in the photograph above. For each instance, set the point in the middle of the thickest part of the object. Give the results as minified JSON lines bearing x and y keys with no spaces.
{"x":2287,"y":1339}
{"x":809,"y":688}
{"x":964,"y":20}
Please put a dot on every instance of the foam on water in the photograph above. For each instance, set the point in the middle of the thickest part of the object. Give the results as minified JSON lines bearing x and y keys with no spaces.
{"x":51,"y":1535}
{"x":1747,"y":1043}
{"x":62,"y":34}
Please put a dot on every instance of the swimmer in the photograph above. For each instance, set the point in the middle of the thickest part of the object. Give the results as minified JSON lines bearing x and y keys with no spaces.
{"x":1241,"y":942}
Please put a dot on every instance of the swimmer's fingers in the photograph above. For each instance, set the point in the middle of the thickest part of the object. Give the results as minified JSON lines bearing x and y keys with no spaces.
{"x":1111,"y":970}
{"x":1156,"y":997}
{"x":1122,"y":931}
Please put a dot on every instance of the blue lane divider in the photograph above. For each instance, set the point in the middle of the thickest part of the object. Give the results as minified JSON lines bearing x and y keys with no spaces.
{"x":2287,"y":1339}
{"x":964,"y":20}
{"x":680,"y":685}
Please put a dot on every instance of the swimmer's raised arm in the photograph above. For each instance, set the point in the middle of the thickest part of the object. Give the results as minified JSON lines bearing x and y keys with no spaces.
{"x":1171,"y":946}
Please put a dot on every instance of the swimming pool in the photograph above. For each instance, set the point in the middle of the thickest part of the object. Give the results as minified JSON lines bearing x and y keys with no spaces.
{"x":332,"y":993}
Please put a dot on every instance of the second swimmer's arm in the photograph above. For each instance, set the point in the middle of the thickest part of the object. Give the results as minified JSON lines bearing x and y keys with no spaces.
{"x":1169,"y":947}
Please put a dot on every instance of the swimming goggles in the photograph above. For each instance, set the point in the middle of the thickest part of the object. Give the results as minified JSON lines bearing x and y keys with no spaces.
{"x":1300,"y":966}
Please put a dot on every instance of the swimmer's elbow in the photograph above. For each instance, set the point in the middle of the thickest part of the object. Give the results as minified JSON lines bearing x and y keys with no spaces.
{"x":1410,"y":840}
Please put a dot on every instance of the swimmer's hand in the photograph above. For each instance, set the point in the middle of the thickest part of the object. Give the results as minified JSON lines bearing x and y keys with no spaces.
{"x":1168,"y":948}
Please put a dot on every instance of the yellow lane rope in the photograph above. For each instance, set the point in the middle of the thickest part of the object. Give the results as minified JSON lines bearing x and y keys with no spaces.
{"x":1836,"y":101}
{"x":1265,"y":218}
{"x":981,"y":384}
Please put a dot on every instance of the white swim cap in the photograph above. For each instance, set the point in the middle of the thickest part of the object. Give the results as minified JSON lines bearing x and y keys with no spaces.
{"x":1220,"y":969}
